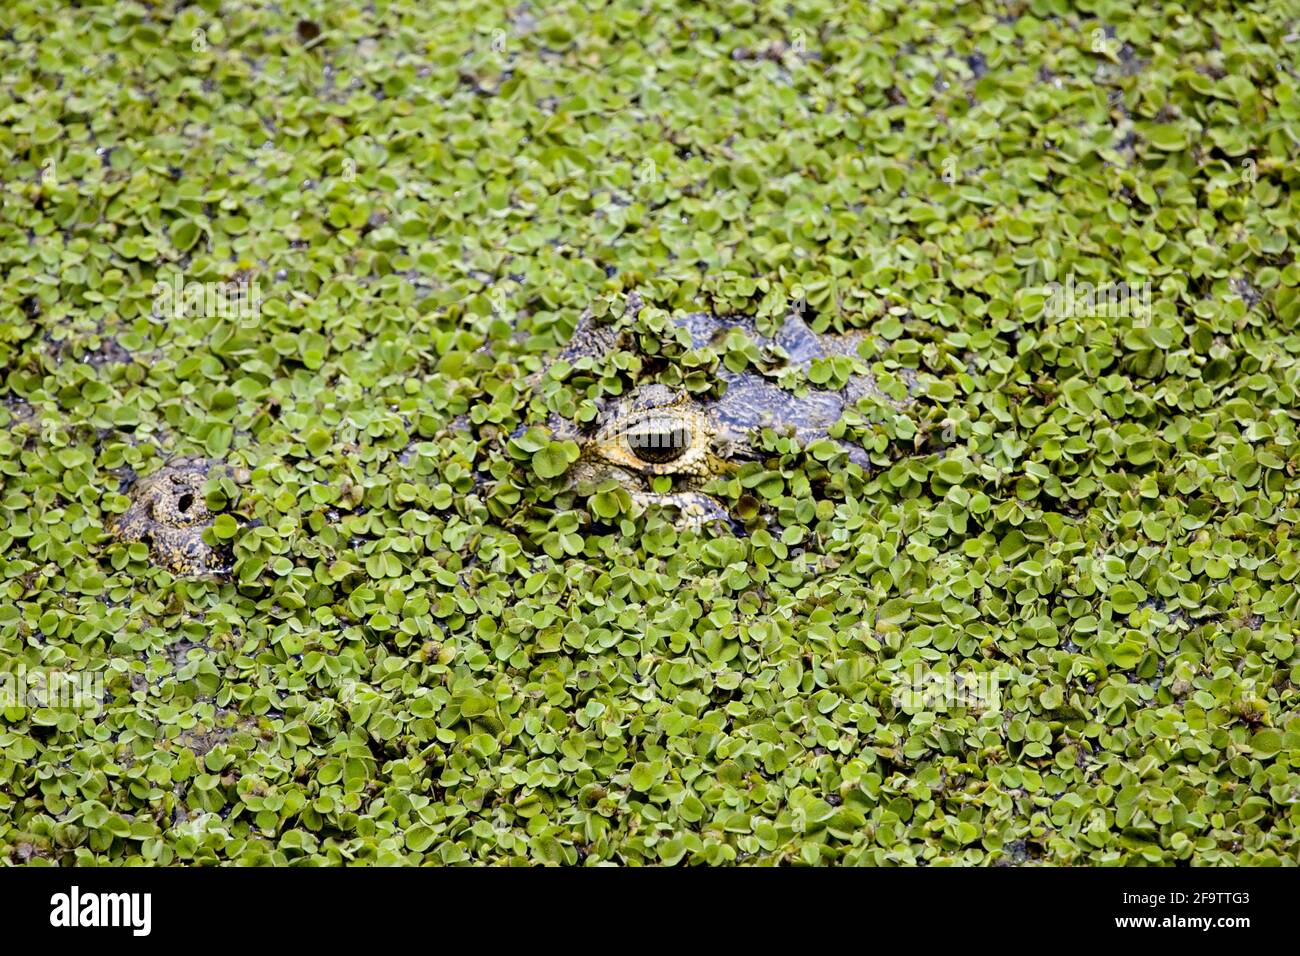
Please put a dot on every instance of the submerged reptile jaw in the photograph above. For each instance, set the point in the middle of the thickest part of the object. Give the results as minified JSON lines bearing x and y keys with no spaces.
{"x":694,"y":508}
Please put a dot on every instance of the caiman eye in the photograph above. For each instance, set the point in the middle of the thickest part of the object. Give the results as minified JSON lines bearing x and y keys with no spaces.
{"x":659,"y":442}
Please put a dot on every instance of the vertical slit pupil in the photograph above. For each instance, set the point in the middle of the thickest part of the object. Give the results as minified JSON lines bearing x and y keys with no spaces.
{"x":659,"y":445}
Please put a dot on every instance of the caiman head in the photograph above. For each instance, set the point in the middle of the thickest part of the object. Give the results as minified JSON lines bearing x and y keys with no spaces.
{"x":659,"y":431}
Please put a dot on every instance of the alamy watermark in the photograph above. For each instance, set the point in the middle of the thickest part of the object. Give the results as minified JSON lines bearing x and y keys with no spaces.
{"x":175,"y":299}
{"x":922,"y":689}
{"x":1115,"y":300}
{"x":50,"y":688}
{"x":75,"y":908}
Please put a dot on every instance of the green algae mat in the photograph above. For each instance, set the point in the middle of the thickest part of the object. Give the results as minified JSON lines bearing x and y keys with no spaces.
{"x":292,"y":566}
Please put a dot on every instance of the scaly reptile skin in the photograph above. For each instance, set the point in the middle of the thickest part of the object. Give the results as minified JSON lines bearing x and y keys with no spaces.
{"x":657,"y":430}
{"x":168,"y":514}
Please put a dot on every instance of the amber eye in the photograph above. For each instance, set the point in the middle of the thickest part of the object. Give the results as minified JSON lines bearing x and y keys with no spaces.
{"x":659,"y":442}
